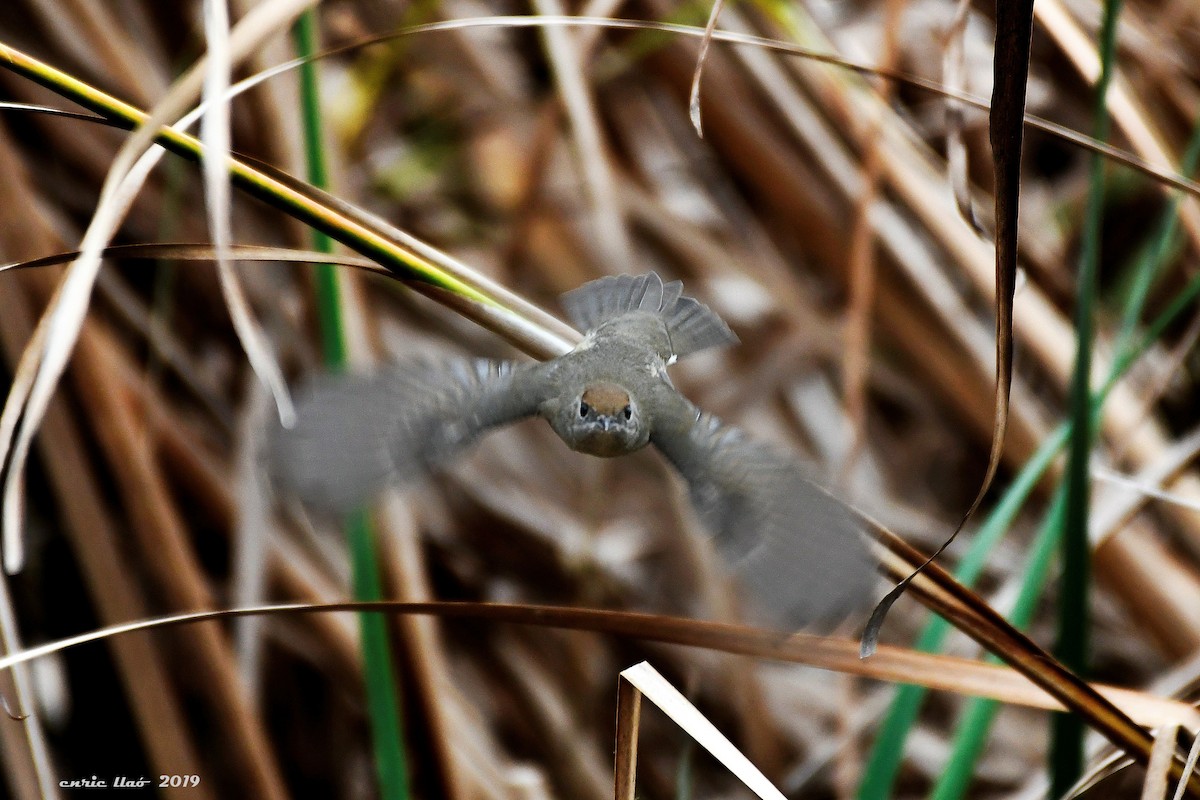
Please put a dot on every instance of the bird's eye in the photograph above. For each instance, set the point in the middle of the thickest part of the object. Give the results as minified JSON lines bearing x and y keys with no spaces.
{"x":584,"y":408}
{"x":628,"y":412}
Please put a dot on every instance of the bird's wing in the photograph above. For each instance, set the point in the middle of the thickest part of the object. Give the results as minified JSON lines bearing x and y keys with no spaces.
{"x":356,"y":433}
{"x":795,"y":548}
{"x":691,"y":325}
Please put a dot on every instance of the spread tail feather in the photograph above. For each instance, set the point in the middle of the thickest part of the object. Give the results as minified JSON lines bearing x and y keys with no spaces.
{"x":692,"y":325}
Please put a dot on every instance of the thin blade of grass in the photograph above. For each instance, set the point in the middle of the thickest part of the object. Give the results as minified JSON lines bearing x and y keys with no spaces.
{"x":824,"y":652}
{"x":861,"y":260}
{"x":199,"y":251}
{"x":51,"y":111}
{"x":27,"y":402}
{"x":954,"y":75}
{"x":1066,"y":749}
{"x":1149,"y":484}
{"x":328,"y":288}
{"x":383,"y":702}
{"x":34,"y":733}
{"x":705,"y":41}
{"x":629,"y":720}
{"x":251,"y":533}
{"x":1014,"y":33}
{"x":1189,"y":768}
{"x":1157,"y":782}
{"x":382,"y":697}
{"x":659,"y":691}
{"x":215,"y":136}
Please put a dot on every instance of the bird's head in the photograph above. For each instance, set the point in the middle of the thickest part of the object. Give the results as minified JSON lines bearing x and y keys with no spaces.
{"x":601,"y":420}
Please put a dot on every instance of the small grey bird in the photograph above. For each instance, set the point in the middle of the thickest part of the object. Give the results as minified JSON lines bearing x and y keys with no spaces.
{"x":796,"y":548}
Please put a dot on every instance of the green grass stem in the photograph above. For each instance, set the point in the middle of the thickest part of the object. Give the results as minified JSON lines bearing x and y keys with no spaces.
{"x":1074,"y":626}
{"x":976,"y":723}
{"x":383,"y":701}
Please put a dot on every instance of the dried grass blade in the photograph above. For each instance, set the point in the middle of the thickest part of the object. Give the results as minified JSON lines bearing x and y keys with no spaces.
{"x":215,"y":136}
{"x":10,"y":418}
{"x":629,"y":718}
{"x":705,"y":41}
{"x":1014,"y":34}
{"x":35,"y":735}
{"x":51,"y":111}
{"x":26,"y":405}
{"x":1189,"y":769}
{"x":251,"y":533}
{"x":659,"y":691}
{"x":891,"y":664}
{"x":861,"y":259}
{"x":940,"y":592}
{"x":1157,"y":782}
{"x":954,"y":75}
{"x":1107,"y":518}
{"x":565,"y":57}
{"x":192,"y":251}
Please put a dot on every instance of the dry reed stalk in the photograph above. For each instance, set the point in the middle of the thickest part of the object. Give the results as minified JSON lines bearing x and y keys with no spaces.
{"x":580,"y":767}
{"x":163,"y":538}
{"x":611,"y":239}
{"x":21,"y":774}
{"x":422,"y":650}
{"x":92,"y":33}
{"x":186,"y":460}
{"x":861,"y":258}
{"x":89,"y":525}
{"x":1136,"y":122}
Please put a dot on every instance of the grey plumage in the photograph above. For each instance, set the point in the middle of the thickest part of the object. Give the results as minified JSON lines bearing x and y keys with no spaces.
{"x":794,"y":546}
{"x":356,"y":434}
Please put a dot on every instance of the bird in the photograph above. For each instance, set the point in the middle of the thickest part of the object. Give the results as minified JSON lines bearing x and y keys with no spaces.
{"x":795,"y":547}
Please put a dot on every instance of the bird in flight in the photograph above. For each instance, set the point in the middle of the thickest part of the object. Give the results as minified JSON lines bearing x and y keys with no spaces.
{"x":793,"y":546}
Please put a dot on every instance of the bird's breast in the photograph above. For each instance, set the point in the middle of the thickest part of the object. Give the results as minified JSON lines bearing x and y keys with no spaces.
{"x":604,"y":445}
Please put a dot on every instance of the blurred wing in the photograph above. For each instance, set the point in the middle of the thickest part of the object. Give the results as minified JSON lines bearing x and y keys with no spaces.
{"x":355,"y":434}
{"x":694,"y":327}
{"x":796,"y":549}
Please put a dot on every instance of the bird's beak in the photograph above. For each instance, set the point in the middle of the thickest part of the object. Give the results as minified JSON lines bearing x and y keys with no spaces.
{"x":605,"y":423}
